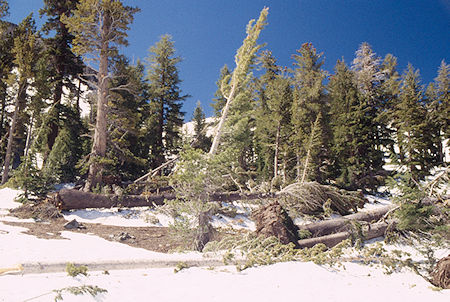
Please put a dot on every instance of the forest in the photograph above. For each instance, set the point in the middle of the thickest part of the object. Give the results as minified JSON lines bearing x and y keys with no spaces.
{"x":295,"y":131}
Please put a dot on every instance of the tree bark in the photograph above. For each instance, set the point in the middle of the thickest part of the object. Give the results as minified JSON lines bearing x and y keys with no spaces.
{"x":68,"y":199}
{"x":277,"y":147}
{"x":219,"y":131}
{"x":343,"y":224}
{"x":12,"y":129}
{"x":372,"y":231}
{"x":99,"y":144}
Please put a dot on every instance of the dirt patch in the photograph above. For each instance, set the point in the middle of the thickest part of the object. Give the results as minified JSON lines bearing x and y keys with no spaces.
{"x":40,"y":211}
{"x":155,"y":239}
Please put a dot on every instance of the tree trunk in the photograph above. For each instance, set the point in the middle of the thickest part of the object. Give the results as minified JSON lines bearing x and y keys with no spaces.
{"x":372,"y":231}
{"x":277,"y":147}
{"x":12,"y":129}
{"x":298,"y":165}
{"x":99,"y":145}
{"x":67,"y":199}
{"x":219,"y":131}
{"x":327,"y":227}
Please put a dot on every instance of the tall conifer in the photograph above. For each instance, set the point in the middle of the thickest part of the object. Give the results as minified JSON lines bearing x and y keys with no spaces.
{"x":309,"y":102}
{"x":99,"y":27}
{"x":165,"y":117}
{"x":414,"y":132}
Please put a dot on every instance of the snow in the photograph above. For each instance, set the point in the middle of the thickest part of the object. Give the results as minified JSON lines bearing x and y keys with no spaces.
{"x":188,"y":128}
{"x":138,"y":217}
{"x":289,"y":281}
{"x":7,"y":196}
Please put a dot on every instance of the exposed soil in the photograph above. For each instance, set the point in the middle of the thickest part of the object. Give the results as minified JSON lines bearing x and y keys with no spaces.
{"x":49,"y":224}
{"x":150,"y":238}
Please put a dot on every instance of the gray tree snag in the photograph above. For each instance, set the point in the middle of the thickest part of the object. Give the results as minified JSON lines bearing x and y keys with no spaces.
{"x":99,"y":26}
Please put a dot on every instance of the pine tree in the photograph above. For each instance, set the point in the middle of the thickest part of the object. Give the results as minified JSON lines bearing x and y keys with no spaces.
{"x":230,"y":86}
{"x":389,"y":91}
{"x":368,"y":78}
{"x":126,"y":107}
{"x":219,"y":100}
{"x":165,"y":117}
{"x":64,"y":67}
{"x":348,"y":145}
{"x":264,"y":137}
{"x":309,"y":102}
{"x":439,"y":107}
{"x":99,"y":27}
{"x":414,"y":136}
{"x":273,"y":116}
{"x":26,"y":53}
{"x":6,"y":66}
{"x":200,"y":140}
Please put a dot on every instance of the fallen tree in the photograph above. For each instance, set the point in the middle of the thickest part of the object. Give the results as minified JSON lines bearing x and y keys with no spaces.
{"x":69,"y":199}
{"x":343,"y":224}
{"x":368,"y":232}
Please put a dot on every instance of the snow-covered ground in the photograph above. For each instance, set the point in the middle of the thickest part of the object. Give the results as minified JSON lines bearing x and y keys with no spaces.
{"x":290,"y":281}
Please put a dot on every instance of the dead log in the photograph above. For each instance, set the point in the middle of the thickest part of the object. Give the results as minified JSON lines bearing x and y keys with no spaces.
{"x":343,"y":224}
{"x":68,"y":199}
{"x":372,"y":231}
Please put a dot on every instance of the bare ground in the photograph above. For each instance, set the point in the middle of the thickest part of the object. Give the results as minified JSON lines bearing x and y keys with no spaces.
{"x":50,"y":223}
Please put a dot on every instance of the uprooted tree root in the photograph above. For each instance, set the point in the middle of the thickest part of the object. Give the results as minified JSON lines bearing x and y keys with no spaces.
{"x":312,"y":198}
{"x":440,"y":277}
{"x":38,"y":211}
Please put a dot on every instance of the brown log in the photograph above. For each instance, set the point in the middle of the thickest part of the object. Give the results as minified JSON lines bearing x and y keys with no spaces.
{"x":372,"y":231}
{"x":343,"y":224}
{"x":68,"y":199}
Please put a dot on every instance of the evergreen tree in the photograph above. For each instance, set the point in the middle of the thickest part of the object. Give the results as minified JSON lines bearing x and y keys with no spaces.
{"x":25,"y":52}
{"x":6,"y":66}
{"x":368,"y":78}
{"x":63,"y":66}
{"x":418,"y":152}
{"x":68,"y":148}
{"x":165,"y":117}
{"x":348,"y":144}
{"x":265,"y":136}
{"x":231,"y":85}
{"x":219,"y":100}
{"x":126,"y":118}
{"x":309,"y":101}
{"x":389,"y":91}
{"x":272,"y":117}
{"x":200,"y":140}
{"x":99,"y":27}
{"x":439,"y":107}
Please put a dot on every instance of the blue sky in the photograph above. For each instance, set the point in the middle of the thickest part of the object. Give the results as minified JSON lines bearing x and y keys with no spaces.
{"x":208,"y":32}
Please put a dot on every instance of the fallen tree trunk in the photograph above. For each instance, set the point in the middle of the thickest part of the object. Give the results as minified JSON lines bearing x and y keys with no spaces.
{"x":68,"y":199}
{"x":372,"y":231}
{"x":344,"y":223}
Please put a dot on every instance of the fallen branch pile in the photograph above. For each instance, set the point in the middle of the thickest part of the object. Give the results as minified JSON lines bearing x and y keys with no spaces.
{"x":310,"y":198}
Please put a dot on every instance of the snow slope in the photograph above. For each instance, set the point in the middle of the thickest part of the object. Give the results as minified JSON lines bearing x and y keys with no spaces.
{"x":290,"y":281}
